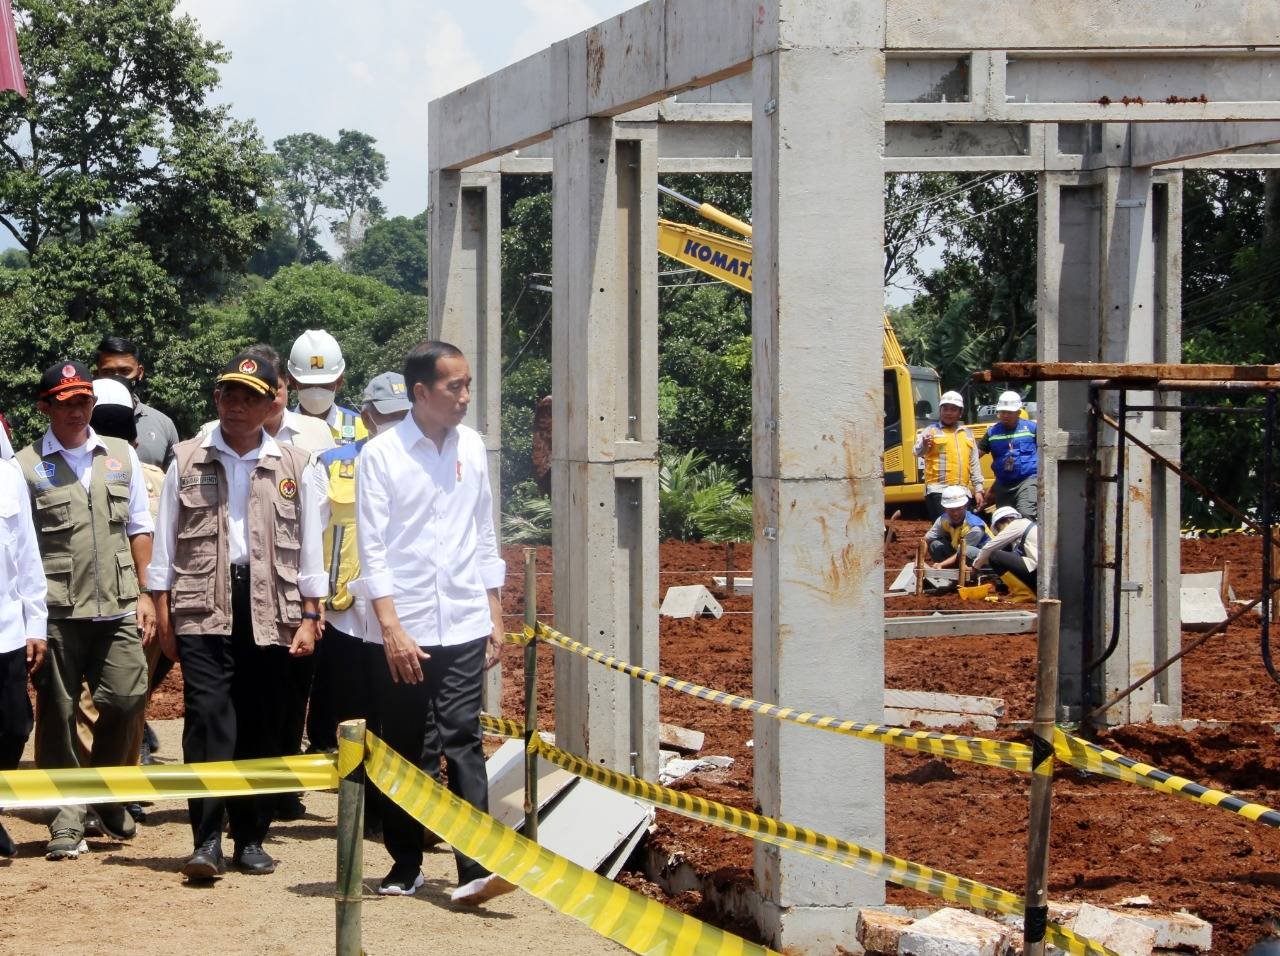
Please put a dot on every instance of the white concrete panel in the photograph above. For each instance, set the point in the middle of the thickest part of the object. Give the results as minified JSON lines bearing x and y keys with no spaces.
{"x":1086,"y":24}
{"x":1177,"y":142}
{"x":708,"y":40}
{"x":625,"y":60}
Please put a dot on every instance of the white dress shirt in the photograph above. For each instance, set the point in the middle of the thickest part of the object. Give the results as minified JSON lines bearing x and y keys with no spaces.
{"x":312,"y":581}
{"x":424,"y":523}
{"x":23,"y":614}
{"x":80,"y":461}
{"x":309,"y":434}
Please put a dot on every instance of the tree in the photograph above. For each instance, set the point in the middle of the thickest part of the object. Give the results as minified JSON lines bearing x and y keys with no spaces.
{"x":393,"y":251}
{"x":316,"y":175}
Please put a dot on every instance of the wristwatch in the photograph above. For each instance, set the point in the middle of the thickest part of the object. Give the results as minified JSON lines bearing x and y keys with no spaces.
{"x":310,"y":616}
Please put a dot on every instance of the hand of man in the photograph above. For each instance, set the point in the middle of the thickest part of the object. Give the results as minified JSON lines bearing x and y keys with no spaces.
{"x":146,"y":614}
{"x":304,"y":639}
{"x":404,"y":656}
{"x":164,"y":629}
{"x":492,"y":652}
{"x":979,"y":497}
{"x":35,"y":655}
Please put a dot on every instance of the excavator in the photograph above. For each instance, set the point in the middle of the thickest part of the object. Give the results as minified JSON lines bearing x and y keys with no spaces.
{"x":911,"y":392}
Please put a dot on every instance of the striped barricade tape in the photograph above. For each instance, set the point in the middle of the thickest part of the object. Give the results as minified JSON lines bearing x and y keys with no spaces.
{"x":624,"y":916}
{"x":501,"y":727}
{"x":520,"y":640}
{"x":1087,"y":756}
{"x":990,"y":753}
{"x":937,"y":883}
{"x":230,"y":778}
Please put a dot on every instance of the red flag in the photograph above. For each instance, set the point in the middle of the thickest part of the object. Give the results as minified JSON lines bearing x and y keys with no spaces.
{"x":10,"y":65}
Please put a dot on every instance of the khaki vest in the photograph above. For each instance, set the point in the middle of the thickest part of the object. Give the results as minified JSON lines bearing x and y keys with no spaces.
{"x":200,"y":595}
{"x":87,"y":561}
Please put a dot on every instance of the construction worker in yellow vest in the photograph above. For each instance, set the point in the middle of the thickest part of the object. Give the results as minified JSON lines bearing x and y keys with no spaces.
{"x":950,"y":456}
{"x":317,"y":371}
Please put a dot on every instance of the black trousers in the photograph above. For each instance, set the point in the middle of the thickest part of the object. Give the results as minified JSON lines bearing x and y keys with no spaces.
{"x":235,"y":694}
{"x":450,"y":692}
{"x":15,"y":708}
{"x":327,"y":667}
{"x":1016,"y":565}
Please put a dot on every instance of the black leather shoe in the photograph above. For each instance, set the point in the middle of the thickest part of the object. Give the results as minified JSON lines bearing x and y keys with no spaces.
{"x":288,"y":806}
{"x":252,"y":858}
{"x":6,"y":843}
{"x":207,"y":863}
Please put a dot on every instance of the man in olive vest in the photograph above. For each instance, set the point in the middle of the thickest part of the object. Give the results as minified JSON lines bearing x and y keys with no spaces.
{"x":238,"y":576}
{"x":94,"y":529}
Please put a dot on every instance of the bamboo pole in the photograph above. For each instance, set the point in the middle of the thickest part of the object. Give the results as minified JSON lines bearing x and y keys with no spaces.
{"x":350,"y":885}
{"x":1037,"y":912}
{"x":962,"y":563}
{"x":921,"y":551}
{"x":530,"y":695}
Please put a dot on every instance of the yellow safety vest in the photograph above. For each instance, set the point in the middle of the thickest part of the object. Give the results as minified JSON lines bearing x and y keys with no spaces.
{"x":957,"y":445}
{"x":341,"y":465}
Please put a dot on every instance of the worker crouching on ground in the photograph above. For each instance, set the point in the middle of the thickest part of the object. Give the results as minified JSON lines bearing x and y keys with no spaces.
{"x":957,"y":528}
{"x":950,"y":456}
{"x":1015,"y":548}
{"x":430,"y":567}
{"x":94,"y":530}
{"x":1015,"y":457}
{"x":238,"y":576}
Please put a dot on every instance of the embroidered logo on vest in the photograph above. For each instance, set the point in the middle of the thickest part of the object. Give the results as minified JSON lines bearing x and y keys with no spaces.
{"x":288,"y":489}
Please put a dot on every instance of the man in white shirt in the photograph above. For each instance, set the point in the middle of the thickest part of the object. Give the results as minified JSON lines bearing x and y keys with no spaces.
{"x":430,"y":567}
{"x":238,"y":575}
{"x":23,"y":620}
{"x":93,"y":523}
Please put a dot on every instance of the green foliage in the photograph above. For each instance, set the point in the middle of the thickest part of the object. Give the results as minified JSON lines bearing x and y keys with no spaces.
{"x":697,"y":500}
{"x":527,"y":516}
{"x":393,"y":251}
{"x":316,"y":175}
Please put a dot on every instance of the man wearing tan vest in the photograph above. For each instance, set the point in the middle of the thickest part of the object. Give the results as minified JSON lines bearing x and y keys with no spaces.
{"x":94,"y":530}
{"x":238,"y":576}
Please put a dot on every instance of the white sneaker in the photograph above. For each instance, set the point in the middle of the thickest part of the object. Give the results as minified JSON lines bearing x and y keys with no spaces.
{"x":481,"y":890}
{"x":394,"y":885}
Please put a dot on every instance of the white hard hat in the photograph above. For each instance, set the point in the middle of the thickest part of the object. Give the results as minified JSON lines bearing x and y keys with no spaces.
{"x":1009,"y":402}
{"x":955,"y":496}
{"x":1003,"y":514}
{"x":316,"y":358}
{"x":952,"y":398}
{"x":110,"y":391}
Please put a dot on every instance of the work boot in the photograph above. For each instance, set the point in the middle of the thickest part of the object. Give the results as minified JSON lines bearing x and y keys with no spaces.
{"x":67,"y":844}
{"x":252,"y":858}
{"x":116,"y":821}
{"x":207,"y":862}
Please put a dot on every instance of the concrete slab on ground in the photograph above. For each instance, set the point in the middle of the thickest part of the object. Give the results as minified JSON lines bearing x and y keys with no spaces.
{"x":959,"y":624}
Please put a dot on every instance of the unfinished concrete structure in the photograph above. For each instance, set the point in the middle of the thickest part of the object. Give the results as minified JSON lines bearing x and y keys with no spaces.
{"x":840,"y":92}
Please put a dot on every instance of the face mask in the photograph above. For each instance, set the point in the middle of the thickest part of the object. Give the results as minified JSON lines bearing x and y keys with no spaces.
{"x":316,"y":399}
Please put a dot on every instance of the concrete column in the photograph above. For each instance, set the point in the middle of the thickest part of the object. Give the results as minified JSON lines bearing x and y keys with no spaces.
{"x":817,"y":320}
{"x":1110,"y":246}
{"x":604,"y":460}
{"x":465,"y":233}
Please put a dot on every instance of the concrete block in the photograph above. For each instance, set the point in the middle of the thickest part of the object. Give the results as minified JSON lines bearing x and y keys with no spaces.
{"x":692,"y":600}
{"x":1126,"y":935}
{"x":949,"y":703}
{"x":680,"y":739}
{"x":1182,"y":930}
{"x":958,"y":624}
{"x":950,"y":932}
{"x":741,"y":585}
{"x":880,"y":932}
{"x":1202,"y":608}
{"x":938,"y":719}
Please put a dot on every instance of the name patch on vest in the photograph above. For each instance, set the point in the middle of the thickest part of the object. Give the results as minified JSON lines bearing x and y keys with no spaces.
{"x":191,"y":481}
{"x":288,"y":489}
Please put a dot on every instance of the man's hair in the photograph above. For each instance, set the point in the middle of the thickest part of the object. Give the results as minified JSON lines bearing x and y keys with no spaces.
{"x":420,"y":363}
{"x":117,"y":345}
{"x":265,"y":353}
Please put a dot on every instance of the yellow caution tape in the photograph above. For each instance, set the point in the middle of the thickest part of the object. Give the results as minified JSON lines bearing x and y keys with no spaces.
{"x":520,"y":640}
{"x":1087,"y":756}
{"x":640,"y":924}
{"x":991,"y":753}
{"x":501,"y":727}
{"x":229,"y":778}
{"x":937,"y":883}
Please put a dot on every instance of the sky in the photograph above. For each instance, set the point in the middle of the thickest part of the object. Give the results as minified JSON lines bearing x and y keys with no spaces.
{"x":320,"y":65}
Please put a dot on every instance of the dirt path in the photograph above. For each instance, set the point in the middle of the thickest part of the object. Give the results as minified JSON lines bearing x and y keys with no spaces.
{"x":129,"y":898}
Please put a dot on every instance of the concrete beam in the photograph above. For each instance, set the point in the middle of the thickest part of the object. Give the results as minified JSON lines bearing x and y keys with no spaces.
{"x":1084,"y":25}
{"x":1170,"y":143}
{"x":818,"y":567}
{"x":604,"y":467}
{"x":959,"y":625}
